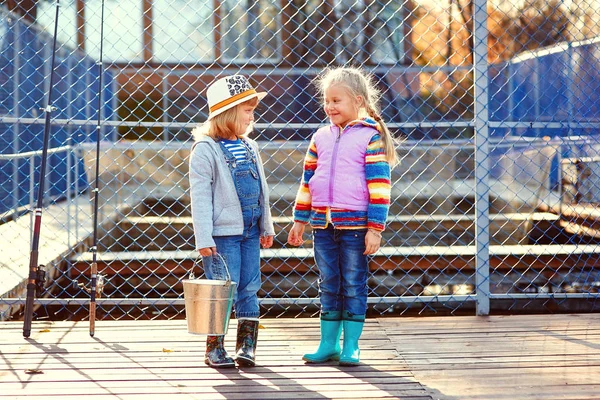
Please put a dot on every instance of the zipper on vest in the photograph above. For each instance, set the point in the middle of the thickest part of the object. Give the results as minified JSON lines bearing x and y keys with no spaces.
{"x":332,"y":168}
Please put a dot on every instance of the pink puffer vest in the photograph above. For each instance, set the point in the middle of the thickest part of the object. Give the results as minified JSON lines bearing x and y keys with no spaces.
{"x":339,"y":180}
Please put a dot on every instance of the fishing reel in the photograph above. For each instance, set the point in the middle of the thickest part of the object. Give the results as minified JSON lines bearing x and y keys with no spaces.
{"x":100,"y":283}
{"x":40,"y":280}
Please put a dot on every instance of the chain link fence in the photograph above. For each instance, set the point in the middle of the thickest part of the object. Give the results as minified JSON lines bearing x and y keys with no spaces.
{"x":494,"y":205}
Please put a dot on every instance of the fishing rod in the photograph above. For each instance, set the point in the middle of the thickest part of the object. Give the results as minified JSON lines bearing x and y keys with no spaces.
{"x":35,"y":280}
{"x":96,"y":283}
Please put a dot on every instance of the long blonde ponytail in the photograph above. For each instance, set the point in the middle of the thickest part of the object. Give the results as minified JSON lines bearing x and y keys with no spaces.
{"x":389,"y":145}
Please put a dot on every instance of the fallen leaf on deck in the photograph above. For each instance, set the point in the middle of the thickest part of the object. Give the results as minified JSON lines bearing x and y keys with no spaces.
{"x":33,"y":371}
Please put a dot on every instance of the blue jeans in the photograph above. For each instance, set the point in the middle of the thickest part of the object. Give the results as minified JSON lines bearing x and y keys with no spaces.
{"x":343,"y":269}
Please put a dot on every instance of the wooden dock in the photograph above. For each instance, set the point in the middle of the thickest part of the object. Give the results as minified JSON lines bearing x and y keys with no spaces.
{"x":500,"y":357}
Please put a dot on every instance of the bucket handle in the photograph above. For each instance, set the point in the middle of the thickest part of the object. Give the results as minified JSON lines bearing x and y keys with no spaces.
{"x":228,"y":281}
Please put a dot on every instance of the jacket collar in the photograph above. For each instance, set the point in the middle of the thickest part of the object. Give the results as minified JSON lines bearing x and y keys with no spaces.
{"x":367,"y":121}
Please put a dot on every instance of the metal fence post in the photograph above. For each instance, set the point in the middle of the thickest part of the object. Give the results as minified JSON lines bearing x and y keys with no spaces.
{"x":16,"y":112}
{"x":482,"y":189}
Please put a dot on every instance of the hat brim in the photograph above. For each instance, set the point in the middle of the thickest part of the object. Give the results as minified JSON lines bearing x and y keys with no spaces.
{"x":259,"y":95}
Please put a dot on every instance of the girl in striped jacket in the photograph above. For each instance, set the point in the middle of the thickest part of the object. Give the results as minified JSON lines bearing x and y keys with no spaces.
{"x":345,"y":196}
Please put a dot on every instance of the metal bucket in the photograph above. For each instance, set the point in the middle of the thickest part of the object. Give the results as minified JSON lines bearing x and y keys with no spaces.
{"x":208,"y":305}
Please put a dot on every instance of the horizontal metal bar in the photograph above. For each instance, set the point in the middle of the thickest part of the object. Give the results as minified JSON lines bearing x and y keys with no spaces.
{"x":530,"y":296}
{"x":79,"y":301}
{"x":294,"y":144}
{"x":191,"y":125}
{"x":285,"y":219}
{"x":29,"y":154}
{"x":377,"y":300}
{"x":305,"y":301}
{"x":420,"y":299}
{"x":545,"y":125}
{"x":312,"y":126}
{"x":269,"y":301}
{"x":403,"y":145}
{"x":494,"y":143}
{"x":278,"y":71}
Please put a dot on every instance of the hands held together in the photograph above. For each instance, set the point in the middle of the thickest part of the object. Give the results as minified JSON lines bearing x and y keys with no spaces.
{"x":295,"y":235}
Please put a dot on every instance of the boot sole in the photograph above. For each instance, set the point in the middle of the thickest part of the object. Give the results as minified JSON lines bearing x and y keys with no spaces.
{"x":245,"y":362}
{"x":320,"y":360}
{"x":227,"y":365}
{"x":349,"y":363}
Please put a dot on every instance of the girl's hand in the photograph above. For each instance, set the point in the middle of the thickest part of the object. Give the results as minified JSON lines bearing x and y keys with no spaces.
{"x":372,"y":242}
{"x":266,"y":241}
{"x":208,"y":251}
{"x":295,"y":236}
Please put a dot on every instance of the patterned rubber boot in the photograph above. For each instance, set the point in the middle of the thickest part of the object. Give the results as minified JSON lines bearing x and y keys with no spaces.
{"x":216,"y":356}
{"x":245,"y":349}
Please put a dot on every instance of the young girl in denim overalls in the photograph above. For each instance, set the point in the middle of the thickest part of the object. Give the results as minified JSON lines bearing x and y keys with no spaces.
{"x":230,"y":208}
{"x":345,"y":196}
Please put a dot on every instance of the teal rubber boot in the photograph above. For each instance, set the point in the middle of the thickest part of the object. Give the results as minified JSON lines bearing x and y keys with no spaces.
{"x":329,"y":347}
{"x":353,"y":327}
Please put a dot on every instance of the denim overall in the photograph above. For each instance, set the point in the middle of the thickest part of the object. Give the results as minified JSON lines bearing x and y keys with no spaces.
{"x":242,"y":252}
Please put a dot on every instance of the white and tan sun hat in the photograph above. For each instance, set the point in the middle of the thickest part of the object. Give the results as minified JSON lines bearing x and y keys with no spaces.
{"x":228,"y":92}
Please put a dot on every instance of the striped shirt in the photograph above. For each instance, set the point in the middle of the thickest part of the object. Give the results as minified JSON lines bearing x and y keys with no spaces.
{"x":236,"y":148}
{"x":377,"y":173}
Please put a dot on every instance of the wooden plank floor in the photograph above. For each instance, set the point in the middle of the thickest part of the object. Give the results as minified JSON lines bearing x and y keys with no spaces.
{"x":499,"y":357}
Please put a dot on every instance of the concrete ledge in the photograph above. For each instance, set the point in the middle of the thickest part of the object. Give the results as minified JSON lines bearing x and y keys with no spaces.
{"x":416,"y":251}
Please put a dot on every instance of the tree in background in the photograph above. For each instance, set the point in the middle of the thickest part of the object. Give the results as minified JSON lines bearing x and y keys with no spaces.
{"x":443,"y":38}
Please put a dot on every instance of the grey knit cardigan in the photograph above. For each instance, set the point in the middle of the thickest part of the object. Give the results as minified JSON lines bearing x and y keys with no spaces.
{"x":216,"y":209}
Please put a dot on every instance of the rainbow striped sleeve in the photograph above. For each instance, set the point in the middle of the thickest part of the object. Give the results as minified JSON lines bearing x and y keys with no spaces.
{"x":302,"y":207}
{"x":378,"y":175}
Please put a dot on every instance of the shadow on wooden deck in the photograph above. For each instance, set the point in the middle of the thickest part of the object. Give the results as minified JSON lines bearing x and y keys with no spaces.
{"x":499,"y":357}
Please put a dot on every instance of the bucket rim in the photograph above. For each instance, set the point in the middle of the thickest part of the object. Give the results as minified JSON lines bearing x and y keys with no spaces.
{"x":215,"y":282}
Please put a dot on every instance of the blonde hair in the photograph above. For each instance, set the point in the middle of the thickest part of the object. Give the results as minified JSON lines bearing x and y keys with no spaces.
{"x":359,"y":83}
{"x":226,"y":124}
